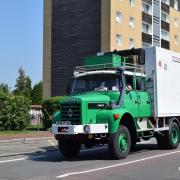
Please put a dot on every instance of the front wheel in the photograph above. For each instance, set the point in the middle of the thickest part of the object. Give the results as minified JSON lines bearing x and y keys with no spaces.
{"x":69,"y":148}
{"x":120,"y":143}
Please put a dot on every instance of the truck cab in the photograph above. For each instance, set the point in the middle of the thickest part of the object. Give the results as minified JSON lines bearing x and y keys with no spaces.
{"x":108,"y":104}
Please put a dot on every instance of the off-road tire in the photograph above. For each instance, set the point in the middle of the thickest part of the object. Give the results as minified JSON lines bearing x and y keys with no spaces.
{"x":69,"y":148}
{"x":171,"y":138}
{"x":120,"y":143}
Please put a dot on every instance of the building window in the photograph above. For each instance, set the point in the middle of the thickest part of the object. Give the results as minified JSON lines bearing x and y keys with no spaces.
{"x":165,"y":1}
{"x":147,"y":8}
{"x":118,"y":40}
{"x":146,"y":45}
{"x":176,"y":22}
{"x":146,"y":28}
{"x":118,"y":17}
{"x":132,"y":3}
{"x":165,"y":35}
{"x":132,"y":43}
{"x":132,"y":22}
{"x":176,"y":4}
{"x":164,"y":16}
{"x":176,"y":40}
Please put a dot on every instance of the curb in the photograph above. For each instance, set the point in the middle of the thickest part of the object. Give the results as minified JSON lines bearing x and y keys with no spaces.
{"x":28,"y":153}
{"x":25,"y":139}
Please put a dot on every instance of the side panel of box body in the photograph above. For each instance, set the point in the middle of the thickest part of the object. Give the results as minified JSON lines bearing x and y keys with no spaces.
{"x":163,"y":71}
{"x":168,"y":83}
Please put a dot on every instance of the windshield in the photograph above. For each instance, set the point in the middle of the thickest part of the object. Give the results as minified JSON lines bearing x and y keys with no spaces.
{"x":98,"y":82}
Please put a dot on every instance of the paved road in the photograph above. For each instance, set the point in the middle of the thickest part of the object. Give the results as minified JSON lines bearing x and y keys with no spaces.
{"x":27,"y":146}
{"x":146,"y":163}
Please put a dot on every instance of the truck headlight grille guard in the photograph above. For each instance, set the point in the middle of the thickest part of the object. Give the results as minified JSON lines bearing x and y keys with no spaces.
{"x":71,"y":111}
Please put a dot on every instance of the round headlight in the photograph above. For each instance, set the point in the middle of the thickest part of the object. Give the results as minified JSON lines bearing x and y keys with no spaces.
{"x":87,"y":129}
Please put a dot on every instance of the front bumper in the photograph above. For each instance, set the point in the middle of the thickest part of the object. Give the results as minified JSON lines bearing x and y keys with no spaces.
{"x":80,"y":129}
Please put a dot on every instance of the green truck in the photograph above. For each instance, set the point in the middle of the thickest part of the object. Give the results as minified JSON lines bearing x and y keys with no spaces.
{"x":118,"y":98}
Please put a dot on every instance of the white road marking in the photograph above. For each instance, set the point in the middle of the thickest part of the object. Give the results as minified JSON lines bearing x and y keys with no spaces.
{"x":21,"y":159}
{"x":116,"y":165}
{"x":52,"y":143}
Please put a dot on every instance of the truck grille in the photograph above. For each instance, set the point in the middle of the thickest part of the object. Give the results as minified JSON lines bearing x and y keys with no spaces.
{"x":71,"y":112}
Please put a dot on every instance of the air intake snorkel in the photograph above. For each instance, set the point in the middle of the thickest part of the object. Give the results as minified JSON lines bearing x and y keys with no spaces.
{"x":122,"y":92}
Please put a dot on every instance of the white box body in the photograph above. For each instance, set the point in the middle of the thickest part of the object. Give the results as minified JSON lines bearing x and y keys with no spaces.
{"x":163,"y":68}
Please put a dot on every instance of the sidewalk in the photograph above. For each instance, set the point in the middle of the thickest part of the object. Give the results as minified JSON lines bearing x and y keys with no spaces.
{"x":33,"y":135}
{"x":27,"y":144}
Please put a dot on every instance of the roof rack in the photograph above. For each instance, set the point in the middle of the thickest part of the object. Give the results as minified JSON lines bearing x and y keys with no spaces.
{"x":110,"y":66}
{"x":139,"y":52}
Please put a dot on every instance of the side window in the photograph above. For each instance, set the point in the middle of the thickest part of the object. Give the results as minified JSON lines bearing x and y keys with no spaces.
{"x":140,"y":83}
{"x":129,"y":82}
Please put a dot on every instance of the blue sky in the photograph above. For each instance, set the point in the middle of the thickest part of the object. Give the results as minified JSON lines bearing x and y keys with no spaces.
{"x":21,"y":39}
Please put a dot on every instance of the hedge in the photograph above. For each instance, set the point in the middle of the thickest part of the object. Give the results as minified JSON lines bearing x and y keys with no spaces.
{"x":14,"y":112}
{"x":49,"y":107}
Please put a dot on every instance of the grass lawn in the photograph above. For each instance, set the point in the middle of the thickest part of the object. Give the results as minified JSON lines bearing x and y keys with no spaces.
{"x":30,"y":129}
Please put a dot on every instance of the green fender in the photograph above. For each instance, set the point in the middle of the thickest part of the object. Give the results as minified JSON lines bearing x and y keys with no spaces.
{"x":56,"y":117}
{"x":106,"y":116}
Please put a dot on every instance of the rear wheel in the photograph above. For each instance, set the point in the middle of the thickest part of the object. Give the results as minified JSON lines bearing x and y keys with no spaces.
{"x":69,"y":148}
{"x":171,"y":138}
{"x":120,"y":143}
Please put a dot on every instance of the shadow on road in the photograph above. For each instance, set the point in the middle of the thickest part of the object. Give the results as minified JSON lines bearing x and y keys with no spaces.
{"x":92,"y":154}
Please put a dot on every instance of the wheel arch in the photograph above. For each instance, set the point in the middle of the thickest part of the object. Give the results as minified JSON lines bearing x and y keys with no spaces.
{"x":56,"y":117}
{"x":128,"y":121}
{"x":175,"y":119}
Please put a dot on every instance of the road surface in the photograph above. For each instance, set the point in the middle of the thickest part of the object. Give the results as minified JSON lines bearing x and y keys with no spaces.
{"x":146,"y":163}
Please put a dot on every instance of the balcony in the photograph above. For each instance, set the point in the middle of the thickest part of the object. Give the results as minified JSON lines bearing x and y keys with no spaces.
{"x":146,"y":38}
{"x":165,"y":44}
{"x":146,"y":18}
{"x":165,"y":7}
{"x":165,"y":25}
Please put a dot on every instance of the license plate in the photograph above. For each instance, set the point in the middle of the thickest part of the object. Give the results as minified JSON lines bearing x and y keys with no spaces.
{"x":63,"y":129}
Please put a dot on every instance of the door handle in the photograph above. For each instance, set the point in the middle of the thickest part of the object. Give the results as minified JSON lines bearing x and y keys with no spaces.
{"x":148,"y":102}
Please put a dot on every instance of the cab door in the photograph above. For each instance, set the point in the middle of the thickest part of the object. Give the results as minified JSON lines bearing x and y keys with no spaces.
{"x":144,"y":102}
{"x":131,"y":96}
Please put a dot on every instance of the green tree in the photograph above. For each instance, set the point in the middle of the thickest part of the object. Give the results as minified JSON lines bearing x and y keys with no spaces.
{"x":36,"y":94}
{"x":28,"y":89}
{"x":23,"y":84}
{"x":4,"y":88}
{"x":14,"y":112}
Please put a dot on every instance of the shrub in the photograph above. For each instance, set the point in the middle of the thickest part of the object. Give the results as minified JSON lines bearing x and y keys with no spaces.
{"x":49,"y":107}
{"x":14,"y":112}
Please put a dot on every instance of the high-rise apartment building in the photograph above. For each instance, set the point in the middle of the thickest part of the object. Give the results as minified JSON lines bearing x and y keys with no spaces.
{"x":74,"y":29}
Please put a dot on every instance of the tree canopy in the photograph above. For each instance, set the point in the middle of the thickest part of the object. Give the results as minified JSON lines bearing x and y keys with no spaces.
{"x":36,"y":94}
{"x":23,"y":84}
{"x":4,"y":88}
